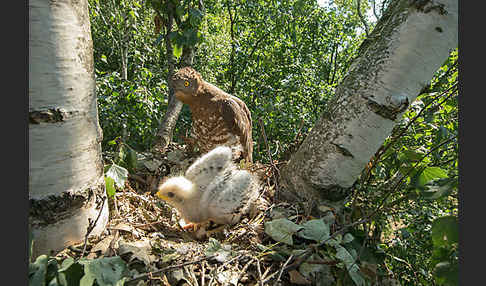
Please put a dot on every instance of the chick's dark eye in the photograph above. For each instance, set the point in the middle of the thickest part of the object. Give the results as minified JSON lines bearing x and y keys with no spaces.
{"x":170,"y":194}
{"x":186,"y":83}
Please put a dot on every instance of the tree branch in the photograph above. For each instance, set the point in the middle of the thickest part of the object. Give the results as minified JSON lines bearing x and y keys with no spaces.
{"x":166,"y":127}
{"x":148,"y":274}
{"x":362,"y":18}
{"x":92,"y":225}
{"x":232,"y":55}
{"x":382,"y":150}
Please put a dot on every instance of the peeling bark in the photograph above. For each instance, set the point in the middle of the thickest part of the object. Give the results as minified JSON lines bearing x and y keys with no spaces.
{"x":66,"y":182}
{"x":398,"y":59}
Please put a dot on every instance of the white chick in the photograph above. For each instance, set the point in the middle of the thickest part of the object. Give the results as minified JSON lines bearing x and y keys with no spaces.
{"x":213,"y":189}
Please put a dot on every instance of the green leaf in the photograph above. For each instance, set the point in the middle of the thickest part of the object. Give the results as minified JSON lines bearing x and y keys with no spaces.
{"x":103,"y":59}
{"x":282,"y":230}
{"x":220,"y":251}
{"x":127,"y":157}
{"x":430,"y":174}
{"x":52,"y":269}
{"x":110,"y":187}
{"x":446,"y":273}
{"x":195,"y":17}
{"x":274,"y":254}
{"x":179,"y":11}
{"x":315,"y":229}
{"x":190,"y":37}
{"x":177,"y":50}
{"x":412,"y":156}
{"x":306,"y":268}
{"x":31,"y":244}
{"x":348,"y":237}
{"x":439,"y":190}
{"x":38,"y":271}
{"x":70,"y":272}
{"x":107,"y":271}
{"x":118,"y":174}
{"x":196,"y":13}
{"x":352,"y":267}
{"x":445,"y":231}
{"x":213,"y":246}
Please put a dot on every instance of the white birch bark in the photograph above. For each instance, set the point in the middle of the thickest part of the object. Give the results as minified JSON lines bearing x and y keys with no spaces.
{"x":410,"y":42}
{"x":66,"y":182}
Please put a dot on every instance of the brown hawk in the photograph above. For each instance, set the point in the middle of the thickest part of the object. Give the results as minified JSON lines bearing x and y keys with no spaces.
{"x":218,"y":118}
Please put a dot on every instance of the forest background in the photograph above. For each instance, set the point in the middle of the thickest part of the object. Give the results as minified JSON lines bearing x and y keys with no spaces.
{"x":284,"y":59}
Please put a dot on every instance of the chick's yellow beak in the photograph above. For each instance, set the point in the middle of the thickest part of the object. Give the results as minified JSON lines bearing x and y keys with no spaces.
{"x":159,"y":195}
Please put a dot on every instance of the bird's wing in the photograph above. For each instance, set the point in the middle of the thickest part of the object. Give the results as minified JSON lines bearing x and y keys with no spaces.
{"x":229,"y":194}
{"x":208,"y":166}
{"x":238,"y":118}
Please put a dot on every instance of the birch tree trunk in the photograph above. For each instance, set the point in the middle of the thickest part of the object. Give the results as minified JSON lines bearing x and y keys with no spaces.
{"x":66,"y":185}
{"x":407,"y":46}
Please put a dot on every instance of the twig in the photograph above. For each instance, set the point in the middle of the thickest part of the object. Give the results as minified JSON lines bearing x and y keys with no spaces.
{"x":260,"y":121}
{"x":266,"y":272}
{"x":259,"y":273}
{"x":408,"y":173}
{"x":145,"y":275}
{"x":394,"y":139}
{"x":362,"y":18}
{"x":203,"y":273}
{"x":92,"y":225}
{"x":117,"y":213}
{"x":146,"y":224}
{"x":374,"y":9}
{"x":243,"y":270}
{"x":137,"y":178}
{"x":297,"y":135}
{"x":215,"y":271}
{"x":112,"y":250}
{"x":283,"y":267}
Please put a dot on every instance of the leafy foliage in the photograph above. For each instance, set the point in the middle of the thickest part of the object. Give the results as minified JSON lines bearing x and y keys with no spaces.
{"x":414,"y":177}
{"x":117,"y":172}
{"x":280,"y":59}
{"x":86,"y":272}
{"x":338,"y":250}
{"x":284,"y":59}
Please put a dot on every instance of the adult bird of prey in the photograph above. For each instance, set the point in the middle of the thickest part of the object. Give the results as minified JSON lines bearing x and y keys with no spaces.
{"x":218,"y":118}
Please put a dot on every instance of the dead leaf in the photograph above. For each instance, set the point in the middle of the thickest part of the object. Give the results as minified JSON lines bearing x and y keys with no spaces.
{"x":126,"y":227}
{"x":297,"y":278}
{"x":101,"y":246}
{"x":140,"y":250}
{"x":369,"y":269}
{"x":175,"y":156}
{"x":324,"y":208}
{"x":122,"y":226}
{"x":228,"y":277}
{"x":152,"y":165}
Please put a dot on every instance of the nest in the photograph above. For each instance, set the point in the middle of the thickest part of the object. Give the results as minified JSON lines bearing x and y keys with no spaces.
{"x":145,"y":232}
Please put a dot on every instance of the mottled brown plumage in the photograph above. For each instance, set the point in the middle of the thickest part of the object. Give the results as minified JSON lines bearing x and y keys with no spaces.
{"x":218,"y":118}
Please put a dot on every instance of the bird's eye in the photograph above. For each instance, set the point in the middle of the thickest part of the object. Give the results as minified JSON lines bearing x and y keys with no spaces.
{"x":186,"y":83}
{"x":170,"y":194}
